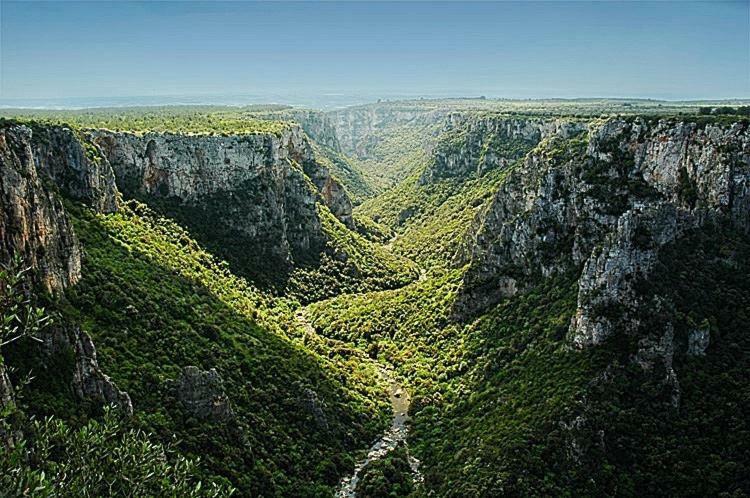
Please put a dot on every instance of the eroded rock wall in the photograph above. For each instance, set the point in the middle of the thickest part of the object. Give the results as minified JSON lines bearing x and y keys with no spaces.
{"x":262,"y":186}
{"x":604,"y":206}
{"x":474,"y":144}
{"x":359,"y":128}
{"x":33,"y":222}
{"x":36,"y":165}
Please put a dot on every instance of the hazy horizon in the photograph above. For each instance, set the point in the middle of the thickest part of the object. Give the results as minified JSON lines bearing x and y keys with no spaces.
{"x":355,"y":52}
{"x":325,"y":102}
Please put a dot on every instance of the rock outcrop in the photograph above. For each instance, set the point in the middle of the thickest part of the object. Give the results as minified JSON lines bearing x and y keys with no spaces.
{"x":257,"y":185}
{"x":34,"y":164}
{"x":202,"y":394}
{"x":698,"y":340}
{"x":312,"y":405}
{"x":606,"y":205}
{"x":473,"y":145}
{"x":318,"y":125}
{"x":33,"y":223}
{"x":89,"y":381}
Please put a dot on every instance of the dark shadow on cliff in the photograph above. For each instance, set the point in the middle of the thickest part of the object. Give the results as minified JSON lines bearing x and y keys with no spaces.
{"x":263,"y":259}
{"x":336,"y":260}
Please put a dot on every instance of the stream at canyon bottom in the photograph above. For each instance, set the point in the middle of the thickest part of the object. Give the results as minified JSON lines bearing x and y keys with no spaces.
{"x":396,"y":433}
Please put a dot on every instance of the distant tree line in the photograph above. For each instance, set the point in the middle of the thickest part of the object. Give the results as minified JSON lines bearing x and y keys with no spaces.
{"x":741,"y":110}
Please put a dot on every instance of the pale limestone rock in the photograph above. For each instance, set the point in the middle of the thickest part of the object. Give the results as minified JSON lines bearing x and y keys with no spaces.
{"x":202,"y":394}
{"x":266,"y":185}
{"x":90,"y":382}
{"x":608,"y":209}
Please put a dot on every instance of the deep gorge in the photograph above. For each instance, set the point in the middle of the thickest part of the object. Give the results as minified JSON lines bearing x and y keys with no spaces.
{"x":562,"y":293}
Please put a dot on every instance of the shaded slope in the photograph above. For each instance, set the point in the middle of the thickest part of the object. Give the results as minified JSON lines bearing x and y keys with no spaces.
{"x":156,"y":303}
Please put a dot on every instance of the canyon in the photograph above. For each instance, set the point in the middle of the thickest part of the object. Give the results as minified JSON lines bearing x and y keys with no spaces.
{"x":543,"y":285}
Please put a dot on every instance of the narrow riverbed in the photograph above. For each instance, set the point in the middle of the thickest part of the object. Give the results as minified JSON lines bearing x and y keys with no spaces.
{"x":397,"y":432}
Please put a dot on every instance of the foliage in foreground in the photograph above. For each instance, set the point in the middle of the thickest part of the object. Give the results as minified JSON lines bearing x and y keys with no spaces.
{"x":49,"y":458}
{"x":102,"y":458}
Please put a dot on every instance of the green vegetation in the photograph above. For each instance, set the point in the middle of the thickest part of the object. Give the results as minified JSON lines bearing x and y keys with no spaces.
{"x":432,"y":220}
{"x":99,"y":459}
{"x":483,"y":391}
{"x":346,"y":171}
{"x":408,"y":328}
{"x":493,"y":426}
{"x":20,"y":317}
{"x":395,"y":153}
{"x":737,"y":111}
{"x":338,"y":260}
{"x":589,"y":107}
{"x":387,"y":477}
{"x":189,"y":120}
{"x":501,"y":404}
{"x":348,"y":263}
{"x":154,"y":302}
{"x":48,"y":458}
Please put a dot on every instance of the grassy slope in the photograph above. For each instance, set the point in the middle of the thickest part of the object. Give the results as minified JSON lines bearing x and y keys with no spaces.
{"x":154,"y":302}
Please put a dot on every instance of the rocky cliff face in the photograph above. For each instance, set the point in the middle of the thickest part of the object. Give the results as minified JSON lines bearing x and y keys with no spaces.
{"x":33,"y":222}
{"x":76,"y":166}
{"x":473,"y":144}
{"x":256,"y":185}
{"x":35,"y":164}
{"x":358,"y":128}
{"x":604,"y":205}
{"x":316,"y":124}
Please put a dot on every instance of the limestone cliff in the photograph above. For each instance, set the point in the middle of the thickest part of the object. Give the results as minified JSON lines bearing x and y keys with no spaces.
{"x":359,"y":128}
{"x":76,"y":166}
{"x":33,"y":222}
{"x":603,"y":205}
{"x":316,"y":124}
{"x":36,"y":164}
{"x":261,"y":186}
{"x":473,"y":144}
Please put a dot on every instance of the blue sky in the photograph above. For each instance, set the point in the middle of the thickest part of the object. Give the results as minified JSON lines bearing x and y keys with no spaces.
{"x":674,"y":50}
